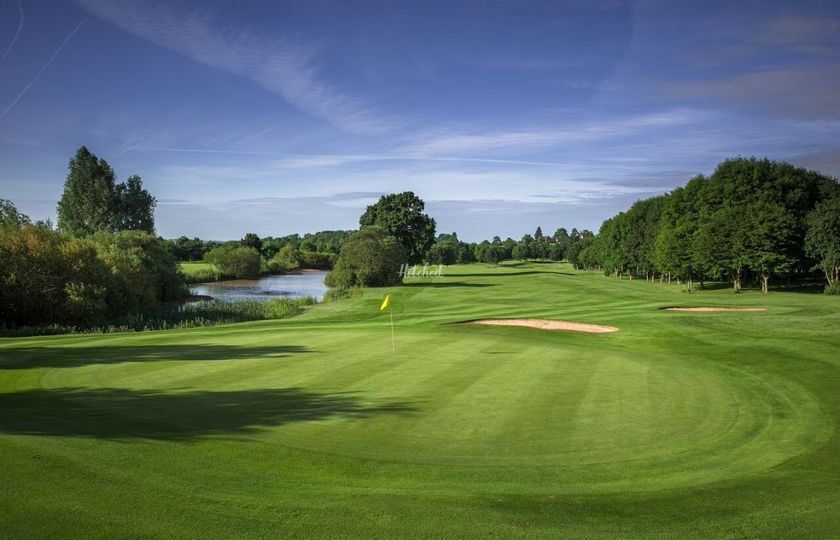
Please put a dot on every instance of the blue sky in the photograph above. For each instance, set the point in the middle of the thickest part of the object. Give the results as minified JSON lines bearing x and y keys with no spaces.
{"x":292,"y":116}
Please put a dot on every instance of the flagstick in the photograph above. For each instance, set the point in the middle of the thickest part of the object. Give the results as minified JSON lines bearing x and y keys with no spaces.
{"x":393,"y":339}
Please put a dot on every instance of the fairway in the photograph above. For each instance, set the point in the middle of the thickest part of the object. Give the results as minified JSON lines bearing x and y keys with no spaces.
{"x":679,"y":423}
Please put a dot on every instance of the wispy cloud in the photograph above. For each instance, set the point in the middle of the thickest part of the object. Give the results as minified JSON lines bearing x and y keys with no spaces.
{"x":16,"y":36}
{"x":448,"y":143}
{"x":281,"y":66}
{"x":797,"y":92}
{"x":140,"y":146}
{"x":41,"y":71}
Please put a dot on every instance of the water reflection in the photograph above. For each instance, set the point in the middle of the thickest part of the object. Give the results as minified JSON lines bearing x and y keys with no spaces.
{"x":307,"y":283}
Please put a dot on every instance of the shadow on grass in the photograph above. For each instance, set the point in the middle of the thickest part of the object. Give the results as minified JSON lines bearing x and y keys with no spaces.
{"x":803,"y":287}
{"x":444,"y":284}
{"x":116,"y":414}
{"x":69,"y":357}
{"x":714,"y":286}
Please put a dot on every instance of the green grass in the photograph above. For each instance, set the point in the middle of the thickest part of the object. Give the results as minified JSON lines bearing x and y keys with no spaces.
{"x":200,"y":272}
{"x":680,"y":424}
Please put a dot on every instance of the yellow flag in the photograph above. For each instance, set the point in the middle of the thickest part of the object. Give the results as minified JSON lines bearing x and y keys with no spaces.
{"x":385,"y":303}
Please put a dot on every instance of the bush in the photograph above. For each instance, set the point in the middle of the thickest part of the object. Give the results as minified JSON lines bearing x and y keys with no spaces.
{"x":288,"y":257}
{"x":334,"y":295}
{"x":369,"y":258}
{"x":239,"y":262}
{"x":273,"y":267}
{"x":833,"y":289}
{"x":317,"y":260}
{"x":144,"y":272}
{"x":47,"y":278}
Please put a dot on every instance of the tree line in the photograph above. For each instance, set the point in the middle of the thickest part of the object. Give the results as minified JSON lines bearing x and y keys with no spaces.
{"x":750,"y":221}
{"x":395,"y":231}
{"x":562,"y":245}
{"x":252,"y":255}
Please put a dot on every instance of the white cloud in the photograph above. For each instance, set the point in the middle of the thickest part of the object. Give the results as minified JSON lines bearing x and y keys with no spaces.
{"x":281,"y":66}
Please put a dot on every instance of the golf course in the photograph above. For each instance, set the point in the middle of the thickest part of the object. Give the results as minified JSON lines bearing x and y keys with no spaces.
{"x":680,"y":423}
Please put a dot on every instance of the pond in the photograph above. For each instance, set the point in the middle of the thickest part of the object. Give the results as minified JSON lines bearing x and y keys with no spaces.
{"x":305,"y":283}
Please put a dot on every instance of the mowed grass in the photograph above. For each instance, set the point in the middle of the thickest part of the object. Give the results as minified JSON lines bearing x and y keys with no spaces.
{"x":680,"y":424}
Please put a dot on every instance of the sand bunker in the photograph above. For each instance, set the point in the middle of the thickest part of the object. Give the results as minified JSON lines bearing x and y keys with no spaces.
{"x":715,"y":309}
{"x":548,"y":324}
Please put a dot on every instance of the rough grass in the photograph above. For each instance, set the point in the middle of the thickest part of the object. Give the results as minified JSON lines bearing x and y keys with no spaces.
{"x":179,"y":316}
{"x":681,"y":424}
{"x":200,"y":272}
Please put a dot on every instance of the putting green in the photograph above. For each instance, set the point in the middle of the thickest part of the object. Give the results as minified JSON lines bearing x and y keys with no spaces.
{"x":681,"y":423}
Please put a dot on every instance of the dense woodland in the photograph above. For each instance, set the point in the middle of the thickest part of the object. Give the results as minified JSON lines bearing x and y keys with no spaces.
{"x":752,"y":220}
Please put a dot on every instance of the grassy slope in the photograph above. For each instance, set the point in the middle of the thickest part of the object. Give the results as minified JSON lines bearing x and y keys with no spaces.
{"x":681,"y":423}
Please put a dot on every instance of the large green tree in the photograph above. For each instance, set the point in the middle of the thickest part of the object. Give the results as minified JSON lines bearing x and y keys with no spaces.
{"x":252,"y":240}
{"x":92,"y":200}
{"x":401,"y":216}
{"x":134,"y":207}
{"x":87,"y":203}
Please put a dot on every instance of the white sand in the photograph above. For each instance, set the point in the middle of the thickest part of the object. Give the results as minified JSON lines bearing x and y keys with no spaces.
{"x":548,"y":324}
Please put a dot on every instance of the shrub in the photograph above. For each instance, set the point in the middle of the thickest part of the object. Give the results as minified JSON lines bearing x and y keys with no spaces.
{"x":273,"y":267}
{"x":369,"y":258}
{"x":317,"y":260}
{"x":341,"y":293}
{"x":144,"y":272}
{"x":47,"y":278}
{"x":833,"y":289}
{"x":239,"y":262}
{"x":288,"y":257}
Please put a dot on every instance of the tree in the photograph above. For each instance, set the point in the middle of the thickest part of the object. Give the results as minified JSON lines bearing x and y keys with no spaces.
{"x":401,"y":215}
{"x":133,"y":207}
{"x":252,"y":240}
{"x":538,"y":235}
{"x":578,"y":244}
{"x":368,"y":258}
{"x":92,"y":201}
{"x":186,"y":249}
{"x":822,"y":241}
{"x":288,"y":256}
{"x":143,"y":272}
{"x":445,"y":252}
{"x":87,"y":203}
{"x":238,"y":262}
{"x":561,"y":235}
{"x":464,"y":253}
{"x":9,"y":215}
{"x":771,"y":241}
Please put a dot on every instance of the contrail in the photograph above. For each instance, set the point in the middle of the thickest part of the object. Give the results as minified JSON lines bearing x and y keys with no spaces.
{"x":208,"y":151}
{"x":50,"y":61}
{"x":17,"y":34}
{"x":130,"y":148}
